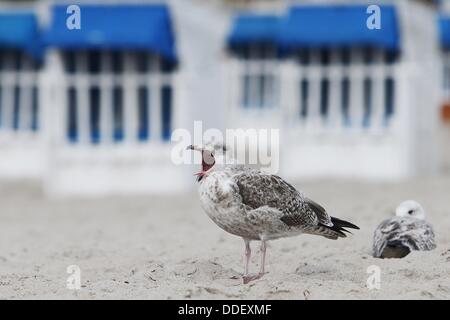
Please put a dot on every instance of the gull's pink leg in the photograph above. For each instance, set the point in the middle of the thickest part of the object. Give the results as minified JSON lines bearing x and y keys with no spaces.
{"x":263,"y":257}
{"x":248,"y":253}
{"x":248,"y":278}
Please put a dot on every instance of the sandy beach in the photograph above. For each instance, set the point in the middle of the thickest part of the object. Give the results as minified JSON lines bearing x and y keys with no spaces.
{"x":160,"y":248}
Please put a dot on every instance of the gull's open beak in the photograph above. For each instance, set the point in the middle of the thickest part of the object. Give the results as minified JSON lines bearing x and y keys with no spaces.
{"x":196,"y":148}
{"x":192,"y":147}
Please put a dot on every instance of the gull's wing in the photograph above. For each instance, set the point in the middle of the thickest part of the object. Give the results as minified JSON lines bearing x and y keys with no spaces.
{"x":411,"y":233}
{"x":259,"y":190}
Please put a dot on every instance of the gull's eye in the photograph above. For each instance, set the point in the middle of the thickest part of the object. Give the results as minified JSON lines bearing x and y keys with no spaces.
{"x":411,"y":211}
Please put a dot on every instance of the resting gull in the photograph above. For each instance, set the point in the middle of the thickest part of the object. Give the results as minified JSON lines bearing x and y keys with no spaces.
{"x":407,"y":231}
{"x":259,"y":206}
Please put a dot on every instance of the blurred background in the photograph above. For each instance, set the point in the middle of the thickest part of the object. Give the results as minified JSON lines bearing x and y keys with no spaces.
{"x":90,"y":95}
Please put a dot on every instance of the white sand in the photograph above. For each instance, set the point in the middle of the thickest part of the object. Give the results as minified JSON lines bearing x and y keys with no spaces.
{"x":158,"y":248}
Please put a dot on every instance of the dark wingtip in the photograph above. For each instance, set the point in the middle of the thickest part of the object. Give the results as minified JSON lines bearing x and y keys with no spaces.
{"x":339,"y":227}
{"x":343,"y":224}
{"x":342,"y":235}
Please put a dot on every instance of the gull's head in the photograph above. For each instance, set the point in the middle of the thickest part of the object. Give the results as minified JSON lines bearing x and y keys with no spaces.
{"x":410,"y":208}
{"x":208,"y":159}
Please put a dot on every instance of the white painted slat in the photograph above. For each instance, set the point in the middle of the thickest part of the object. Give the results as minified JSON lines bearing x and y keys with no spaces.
{"x":314,"y":76}
{"x":301,"y":73}
{"x":269,"y":70}
{"x":60,"y":110}
{"x":378,"y":102}
{"x":148,"y":84}
{"x":53,"y":100}
{"x":242,"y":96}
{"x":155,"y":102}
{"x":289,"y":94}
{"x":446,"y":75}
{"x":268,"y":94}
{"x":130,"y":99}
{"x":25,"y":101}
{"x":356,"y":107}
{"x":82,"y":98}
{"x":236,"y":80}
{"x":7,"y":106}
{"x":8,"y":92}
{"x":26,"y":93}
{"x":399,"y":74}
{"x":254,"y":86}
{"x":336,"y":74}
{"x":106,"y":103}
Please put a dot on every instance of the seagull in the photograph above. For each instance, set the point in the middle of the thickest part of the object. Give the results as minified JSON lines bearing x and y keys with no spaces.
{"x":258,"y":206}
{"x":407,"y":231}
